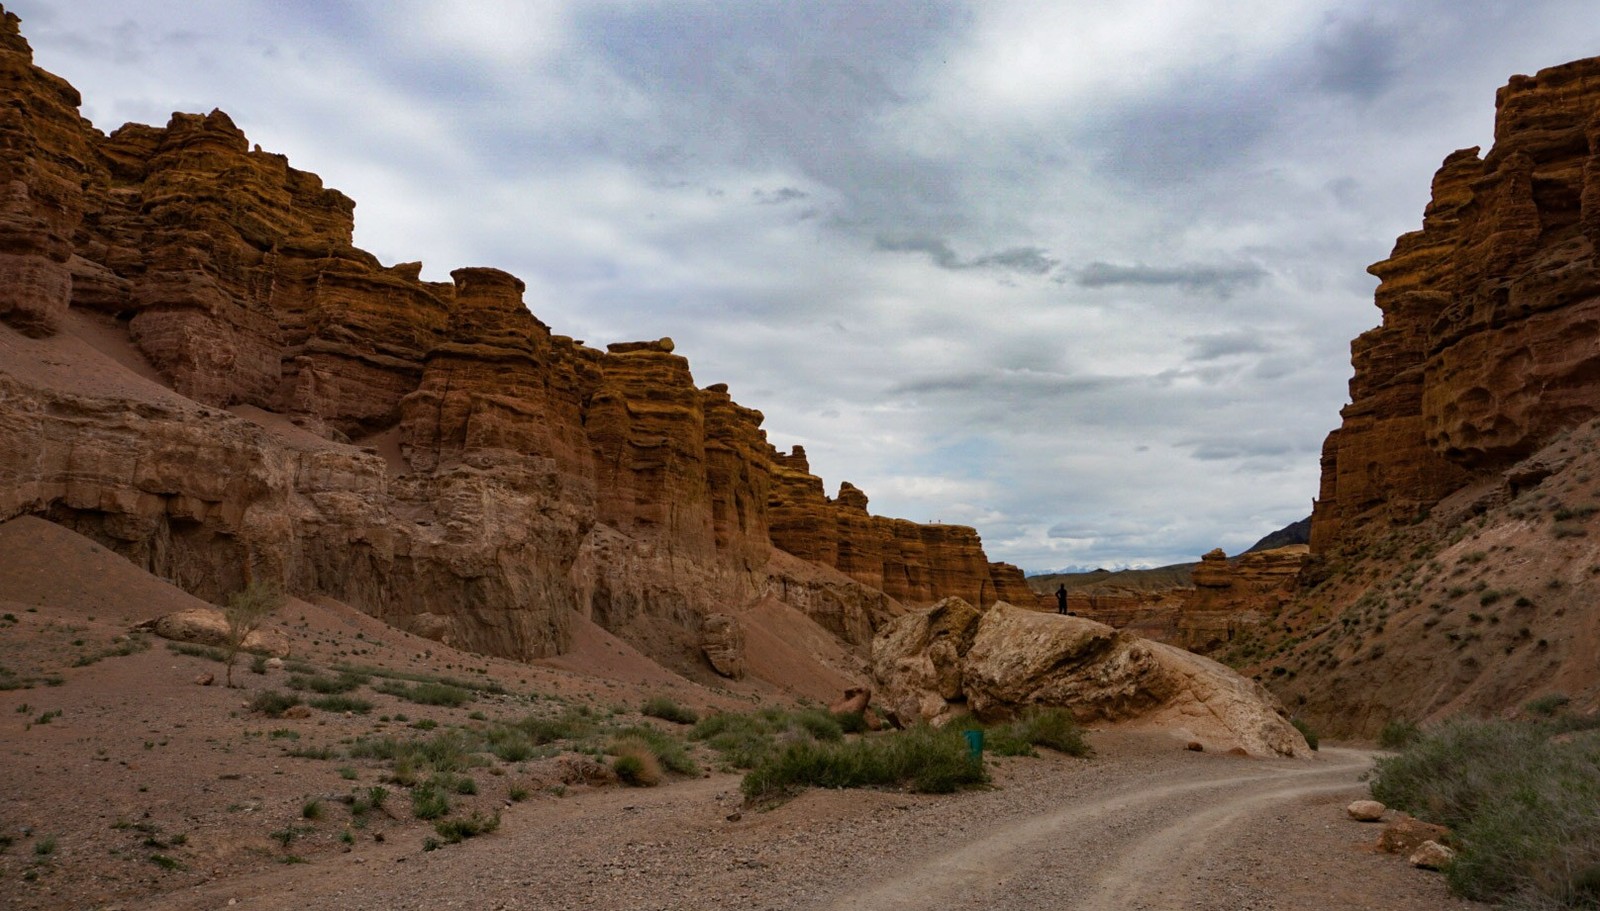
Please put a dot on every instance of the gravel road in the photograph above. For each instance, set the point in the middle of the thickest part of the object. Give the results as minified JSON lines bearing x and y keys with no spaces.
{"x":1144,"y":825}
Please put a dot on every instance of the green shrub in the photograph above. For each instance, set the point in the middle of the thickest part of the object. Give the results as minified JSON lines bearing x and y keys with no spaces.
{"x":1305,"y":731}
{"x":428,"y":801}
{"x":1547,"y":705}
{"x":428,"y":693}
{"x":924,"y":759}
{"x":272,"y":703}
{"x":1046,"y":727}
{"x":1398,"y":733}
{"x":328,"y":686}
{"x":635,"y":763}
{"x":667,"y":750}
{"x":342,"y":704}
{"x":851,"y":722}
{"x":1525,"y":808}
{"x":454,"y":830}
{"x":667,"y":710}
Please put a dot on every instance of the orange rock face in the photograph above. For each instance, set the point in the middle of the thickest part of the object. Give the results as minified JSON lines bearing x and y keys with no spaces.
{"x":1490,"y":316}
{"x":430,"y":452}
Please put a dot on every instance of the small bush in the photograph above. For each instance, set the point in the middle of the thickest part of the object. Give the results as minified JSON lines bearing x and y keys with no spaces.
{"x":428,"y":693}
{"x":1053,"y":728}
{"x":924,"y":759}
{"x":668,"y":751}
{"x":667,"y":710}
{"x":851,"y":722}
{"x":342,"y":704}
{"x":455,"y":830}
{"x":1398,"y":733}
{"x":635,"y":763}
{"x":328,"y":686}
{"x":428,"y":801}
{"x":1548,"y":705}
{"x":1305,"y":731}
{"x":272,"y":703}
{"x":1524,"y":807}
{"x":312,"y":809}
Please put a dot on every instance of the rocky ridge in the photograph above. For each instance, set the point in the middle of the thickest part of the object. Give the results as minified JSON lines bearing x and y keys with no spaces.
{"x":429,"y":452}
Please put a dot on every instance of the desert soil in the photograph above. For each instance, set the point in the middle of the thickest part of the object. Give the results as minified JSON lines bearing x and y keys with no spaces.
{"x":124,"y":784}
{"x":1140,"y":826}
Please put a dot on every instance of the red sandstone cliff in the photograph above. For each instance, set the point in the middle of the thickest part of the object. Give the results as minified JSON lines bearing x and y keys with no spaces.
{"x":1454,"y":525}
{"x":430,"y":452}
{"x":1491,"y":313}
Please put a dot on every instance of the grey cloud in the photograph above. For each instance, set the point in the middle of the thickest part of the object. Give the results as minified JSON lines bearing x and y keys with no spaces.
{"x":778,"y":196}
{"x":1025,"y":260}
{"x":1225,"y":344}
{"x":1355,"y":58}
{"x":1221,"y":280}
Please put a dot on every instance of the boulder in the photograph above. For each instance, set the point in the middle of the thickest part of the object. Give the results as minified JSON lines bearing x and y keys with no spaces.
{"x":209,"y":626}
{"x":855,"y":701}
{"x":917,"y":661}
{"x":1405,"y":835}
{"x":1432,"y":856}
{"x":722,"y":642}
{"x":1365,"y":810}
{"x":931,"y":663}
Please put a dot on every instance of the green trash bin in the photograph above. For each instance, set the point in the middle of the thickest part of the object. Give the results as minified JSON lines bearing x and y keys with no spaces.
{"x":974,"y":745}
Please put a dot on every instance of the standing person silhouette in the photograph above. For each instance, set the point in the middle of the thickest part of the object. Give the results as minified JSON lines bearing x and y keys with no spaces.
{"x":1061,"y":599}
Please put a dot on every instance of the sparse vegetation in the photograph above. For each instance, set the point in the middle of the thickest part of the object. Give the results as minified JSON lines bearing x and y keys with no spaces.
{"x":1398,"y":733}
{"x":1524,"y":807}
{"x":428,"y":693}
{"x":924,"y":759}
{"x":1305,"y":730}
{"x":1053,"y":728}
{"x":272,"y":703}
{"x":246,"y":610}
{"x":668,"y":710}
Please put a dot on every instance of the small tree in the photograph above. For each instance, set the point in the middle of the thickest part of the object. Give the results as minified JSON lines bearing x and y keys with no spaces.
{"x":246,"y":609}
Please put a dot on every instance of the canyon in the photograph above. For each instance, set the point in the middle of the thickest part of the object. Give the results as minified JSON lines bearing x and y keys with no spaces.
{"x":204,"y":374}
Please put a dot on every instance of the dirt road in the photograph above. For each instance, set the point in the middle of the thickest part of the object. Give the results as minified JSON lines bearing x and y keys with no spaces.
{"x":1142,"y":826}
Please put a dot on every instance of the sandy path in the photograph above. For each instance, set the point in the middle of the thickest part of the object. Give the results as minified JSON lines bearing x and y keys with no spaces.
{"x":1151,"y":828}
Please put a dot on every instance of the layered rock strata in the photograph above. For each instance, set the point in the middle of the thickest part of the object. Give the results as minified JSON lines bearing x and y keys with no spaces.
{"x":1491,"y":316}
{"x":932,"y":664}
{"x":428,"y":451}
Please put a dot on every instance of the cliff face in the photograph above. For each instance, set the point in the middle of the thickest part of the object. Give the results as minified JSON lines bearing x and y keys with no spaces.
{"x":1491,"y":313}
{"x":430,"y":452}
{"x":1454,"y":527}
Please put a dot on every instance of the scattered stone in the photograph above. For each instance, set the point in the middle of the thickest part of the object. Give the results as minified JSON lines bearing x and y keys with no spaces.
{"x":1195,"y":746}
{"x":274,"y":664}
{"x":1432,"y":856}
{"x":1407,"y":834}
{"x":205,"y":679}
{"x":1366,"y":810}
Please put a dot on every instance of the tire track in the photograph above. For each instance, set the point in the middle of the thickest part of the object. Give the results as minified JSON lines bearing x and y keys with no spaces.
{"x":1118,"y":852}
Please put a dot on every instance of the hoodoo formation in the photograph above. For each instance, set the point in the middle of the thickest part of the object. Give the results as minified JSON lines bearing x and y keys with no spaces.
{"x":429,"y":452}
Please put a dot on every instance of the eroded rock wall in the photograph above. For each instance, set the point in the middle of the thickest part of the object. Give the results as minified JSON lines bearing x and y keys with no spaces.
{"x":1490,"y":341}
{"x":428,"y":451}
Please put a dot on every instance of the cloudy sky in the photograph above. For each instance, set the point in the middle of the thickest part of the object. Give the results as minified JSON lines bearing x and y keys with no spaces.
{"x":1080,"y":274}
